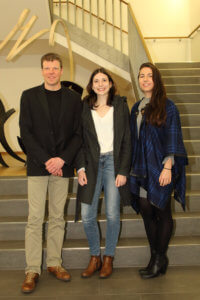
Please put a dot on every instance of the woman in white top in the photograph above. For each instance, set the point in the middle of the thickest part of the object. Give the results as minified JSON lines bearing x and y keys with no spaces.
{"x":103,"y":163}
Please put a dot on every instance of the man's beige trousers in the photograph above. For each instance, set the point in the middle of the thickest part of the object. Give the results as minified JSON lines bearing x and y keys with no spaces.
{"x":57,"y":188}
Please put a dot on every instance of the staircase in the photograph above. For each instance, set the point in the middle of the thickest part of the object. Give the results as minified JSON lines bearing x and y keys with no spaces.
{"x":182,"y":82}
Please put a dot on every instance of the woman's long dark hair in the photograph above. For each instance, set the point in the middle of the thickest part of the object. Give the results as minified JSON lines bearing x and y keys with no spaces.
{"x":156,"y":110}
{"x":92,"y":96}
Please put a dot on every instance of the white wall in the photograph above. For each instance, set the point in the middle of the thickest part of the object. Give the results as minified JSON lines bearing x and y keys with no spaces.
{"x":162,"y":18}
{"x":195,"y":21}
{"x":169,"y":50}
{"x":10,"y":12}
{"x":168,"y":18}
{"x":194,"y":13}
{"x":195,"y":47}
{"x":15,"y":77}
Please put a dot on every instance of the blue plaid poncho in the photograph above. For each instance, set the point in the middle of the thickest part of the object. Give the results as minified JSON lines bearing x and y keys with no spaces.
{"x":149,"y":150}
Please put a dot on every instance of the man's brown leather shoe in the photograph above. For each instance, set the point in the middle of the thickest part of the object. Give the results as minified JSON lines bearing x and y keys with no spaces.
{"x":107,"y":267}
{"x":94,"y":265}
{"x":29,"y":283}
{"x":60,"y":273}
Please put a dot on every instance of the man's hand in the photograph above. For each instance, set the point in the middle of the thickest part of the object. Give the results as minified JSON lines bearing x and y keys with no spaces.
{"x":59,"y":173}
{"x":54,"y":165}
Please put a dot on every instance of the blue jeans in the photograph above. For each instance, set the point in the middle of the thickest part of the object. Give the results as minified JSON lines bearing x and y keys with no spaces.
{"x":105,"y":179}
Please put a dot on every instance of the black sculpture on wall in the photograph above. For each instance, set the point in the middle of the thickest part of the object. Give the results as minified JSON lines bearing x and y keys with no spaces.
{"x":3,"y":118}
{"x":72,"y":85}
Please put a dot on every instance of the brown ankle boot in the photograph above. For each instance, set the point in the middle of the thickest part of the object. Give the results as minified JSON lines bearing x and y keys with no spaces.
{"x":94,"y":265}
{"x":30,"y":282}
{"x":107,"y":267}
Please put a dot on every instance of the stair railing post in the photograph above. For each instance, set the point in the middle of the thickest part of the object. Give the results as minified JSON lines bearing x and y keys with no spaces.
{"x":59,"y":8}
{"x":90,"y":16}
{"x":105,"y":16}
{"x":67,"y":10}
{"x":113,"y":23}
{"x":120,"y":11}
{"x":75,"y":12}
{"x":51,"y":9}
{"x":98,"y":19}
{"x":83,"y":23}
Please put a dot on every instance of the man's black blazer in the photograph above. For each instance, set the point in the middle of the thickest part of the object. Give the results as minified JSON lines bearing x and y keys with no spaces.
{"x":37,"y":132}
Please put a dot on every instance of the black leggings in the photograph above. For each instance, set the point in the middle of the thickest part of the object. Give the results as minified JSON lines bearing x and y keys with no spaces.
{"x":158,"y":225}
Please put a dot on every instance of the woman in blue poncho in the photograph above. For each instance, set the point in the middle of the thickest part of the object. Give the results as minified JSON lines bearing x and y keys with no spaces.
{"x":158,"y":165}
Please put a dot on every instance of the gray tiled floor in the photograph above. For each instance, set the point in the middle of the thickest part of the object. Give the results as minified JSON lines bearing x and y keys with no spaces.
{"x":125,"y":284}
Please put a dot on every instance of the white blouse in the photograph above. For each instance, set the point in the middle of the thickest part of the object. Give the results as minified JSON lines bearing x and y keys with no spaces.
{"x":104,"y":130}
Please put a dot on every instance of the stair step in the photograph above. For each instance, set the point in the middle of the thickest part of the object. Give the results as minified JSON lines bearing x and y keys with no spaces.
{"x":191,"y":132}
{"x":180,"y":72}
{"x":5,"y":184}
{"x":19,"y":185}
{"x":188,"y":108}
{"x":132,"y":226}
{"x":178,"y":65}
{"x":181,"y":79}
{"x":192,"y":200}
{"x":184,"y":97}
{"x":194,"y":164}
{"x":17,"y":206}
{"x":13,"y":205}
{"x":192,"y":147}
{"x":129,"y":253}
{"x":190,"y":119}
{"x":192,"y":181}
{"x":182,"y":88}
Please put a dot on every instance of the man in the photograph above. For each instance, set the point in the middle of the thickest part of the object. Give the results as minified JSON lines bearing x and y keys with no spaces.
{"x":50,"y":131}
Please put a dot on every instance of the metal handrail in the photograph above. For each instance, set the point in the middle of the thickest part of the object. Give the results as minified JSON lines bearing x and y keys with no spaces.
{"x":51,"y":9}
{"x":122,"y":30}
{"x":66,"y":1}
{"x":173,"y":37}
{"x":94,"y":15}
